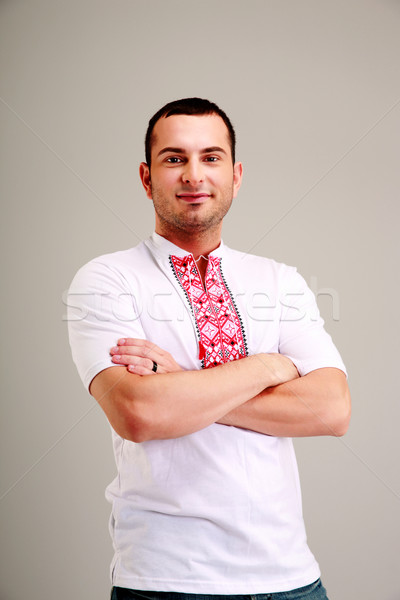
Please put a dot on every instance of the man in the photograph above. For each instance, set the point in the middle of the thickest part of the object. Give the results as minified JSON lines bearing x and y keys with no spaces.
{"x":203,"y":390}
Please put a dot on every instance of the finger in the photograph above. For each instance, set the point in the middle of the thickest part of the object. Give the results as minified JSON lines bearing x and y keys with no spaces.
{"x":141,"y":343}
{"x":127,"y":360}
{"x":136,"y":342}
{"x":140,"y":353}
{"x":143,"y":369}
{"x":140,"y":370}
{"x":145,"y":350}
{"x":133,"y":350}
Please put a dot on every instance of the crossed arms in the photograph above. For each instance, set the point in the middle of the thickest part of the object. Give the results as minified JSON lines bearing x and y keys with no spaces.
{"x":262,"y":393}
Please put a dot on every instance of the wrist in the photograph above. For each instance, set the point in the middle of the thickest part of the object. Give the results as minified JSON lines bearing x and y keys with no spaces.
{"x":275,"y":369}
{"x":263,"y":371}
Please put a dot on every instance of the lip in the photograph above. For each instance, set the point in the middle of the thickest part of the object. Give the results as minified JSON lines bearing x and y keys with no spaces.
{"x":192,"y":198}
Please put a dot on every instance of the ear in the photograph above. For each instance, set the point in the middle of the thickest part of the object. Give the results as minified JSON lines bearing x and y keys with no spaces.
{"x":237,"y":177}
{"x":144,"y":172}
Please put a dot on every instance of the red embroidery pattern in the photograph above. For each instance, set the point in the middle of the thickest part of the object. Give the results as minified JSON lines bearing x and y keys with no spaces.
{"x":219,"y":327}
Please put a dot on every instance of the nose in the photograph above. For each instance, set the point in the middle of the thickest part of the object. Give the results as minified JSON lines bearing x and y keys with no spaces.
{"x":193,"y":172}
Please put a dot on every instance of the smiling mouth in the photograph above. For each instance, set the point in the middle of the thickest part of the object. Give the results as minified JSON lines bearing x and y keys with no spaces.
{"x":193,"y":198}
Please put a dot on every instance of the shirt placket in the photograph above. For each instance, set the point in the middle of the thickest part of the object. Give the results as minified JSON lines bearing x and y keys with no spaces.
{"x":212,"y":310}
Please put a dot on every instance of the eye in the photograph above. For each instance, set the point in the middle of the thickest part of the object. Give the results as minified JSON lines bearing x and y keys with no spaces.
{"x":173,"y":160}
{"x":211,"y":158}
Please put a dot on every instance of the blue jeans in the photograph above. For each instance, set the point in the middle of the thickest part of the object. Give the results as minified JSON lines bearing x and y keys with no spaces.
{"x":314,"y":591}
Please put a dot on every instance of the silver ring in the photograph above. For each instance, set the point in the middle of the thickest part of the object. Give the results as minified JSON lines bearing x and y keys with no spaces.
{"x":155,"y":365}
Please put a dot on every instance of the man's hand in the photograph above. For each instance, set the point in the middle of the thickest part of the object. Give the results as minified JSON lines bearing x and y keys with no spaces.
{"x":139,"y":357}
{"x":281,"y":367}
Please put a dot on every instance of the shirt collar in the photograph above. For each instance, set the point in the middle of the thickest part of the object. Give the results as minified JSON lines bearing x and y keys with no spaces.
{"x":163,"y":248}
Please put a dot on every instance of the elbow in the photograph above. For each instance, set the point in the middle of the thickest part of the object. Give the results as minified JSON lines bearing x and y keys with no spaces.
{"x":133,"y":430}
{"x":341,"y":426}
{"x":132,"y":419}
{"x":342,"y":414}
{"x":137,"y":426}
{"x":128,"y":403}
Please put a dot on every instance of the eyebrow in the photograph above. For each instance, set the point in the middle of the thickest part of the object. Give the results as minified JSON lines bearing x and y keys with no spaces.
{"x":182,"y":150}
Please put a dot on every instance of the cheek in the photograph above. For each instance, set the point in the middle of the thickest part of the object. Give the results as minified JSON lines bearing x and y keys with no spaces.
{"x":166,"y":180}
{"x":223,"y":178}
{"x":224,"y":182}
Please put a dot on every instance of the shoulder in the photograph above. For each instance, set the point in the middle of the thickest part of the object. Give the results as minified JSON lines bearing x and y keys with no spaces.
{"x":109,"y":267}
{"x":253,"y":265}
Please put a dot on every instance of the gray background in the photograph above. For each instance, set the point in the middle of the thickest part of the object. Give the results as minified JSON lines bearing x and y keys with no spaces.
{"x":313,"y":89}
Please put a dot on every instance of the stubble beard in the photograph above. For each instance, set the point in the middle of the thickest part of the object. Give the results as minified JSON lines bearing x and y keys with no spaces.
{"x":193,"y":219}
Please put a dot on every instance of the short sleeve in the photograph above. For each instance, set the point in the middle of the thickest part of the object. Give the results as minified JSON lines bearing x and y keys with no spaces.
{"x":302,"y":335}
{"x":101,"y":308}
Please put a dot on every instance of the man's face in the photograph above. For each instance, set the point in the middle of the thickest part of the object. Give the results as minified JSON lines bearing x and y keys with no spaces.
{"x":192,"y":180}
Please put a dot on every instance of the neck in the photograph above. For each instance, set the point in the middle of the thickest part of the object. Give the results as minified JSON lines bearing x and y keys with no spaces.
{"x":200,"y":244}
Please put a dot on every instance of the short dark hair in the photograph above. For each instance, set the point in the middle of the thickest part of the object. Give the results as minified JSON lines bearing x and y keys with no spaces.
{"x":188,"y":106}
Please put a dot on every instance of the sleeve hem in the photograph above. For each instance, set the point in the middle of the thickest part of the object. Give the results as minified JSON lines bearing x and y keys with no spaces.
{"x":95,"y":370}
{"x":305,"y":367}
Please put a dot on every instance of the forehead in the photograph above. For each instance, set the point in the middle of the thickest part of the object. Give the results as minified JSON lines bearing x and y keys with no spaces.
{"x":190,"y":133}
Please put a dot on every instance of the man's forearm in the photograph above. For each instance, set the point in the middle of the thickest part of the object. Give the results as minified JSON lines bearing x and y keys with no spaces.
{"x":176,"y":404}
{"x":316,"y":404}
